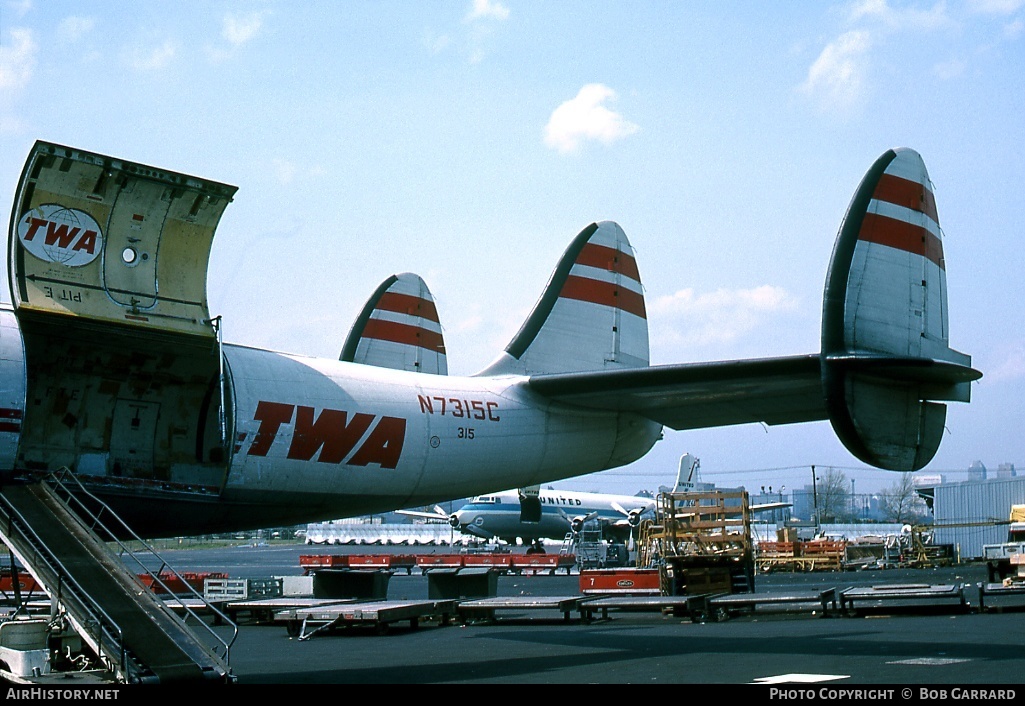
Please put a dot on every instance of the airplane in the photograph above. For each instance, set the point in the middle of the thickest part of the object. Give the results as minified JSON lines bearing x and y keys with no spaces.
{"x":505,"y":515}
{"x":113,"y":370}
{"x":511,"y":517}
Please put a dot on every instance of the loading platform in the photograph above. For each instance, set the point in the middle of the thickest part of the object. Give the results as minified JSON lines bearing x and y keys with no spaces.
{"x":134,"y":637}
{"x":304,"y":623}
{"x":267,"y":610}
{"x":997,"y":597}
{"x":822,"y":601}
{"x":485,"y":609}
{"x":903,"y":597}
{"x":682,"y":606}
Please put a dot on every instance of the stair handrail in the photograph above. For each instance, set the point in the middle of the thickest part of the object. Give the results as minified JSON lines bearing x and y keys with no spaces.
{"x":61,"y":479}
{"x":98,"y":620}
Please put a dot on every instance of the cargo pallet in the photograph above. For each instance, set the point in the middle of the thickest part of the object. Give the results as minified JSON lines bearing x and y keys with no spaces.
{"x":815,"y":555}
{"x":701,"y":543}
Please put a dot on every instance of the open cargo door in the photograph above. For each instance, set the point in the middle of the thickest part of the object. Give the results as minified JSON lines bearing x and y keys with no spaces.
{"x":109,"y":240}
{"x":124,"y":379}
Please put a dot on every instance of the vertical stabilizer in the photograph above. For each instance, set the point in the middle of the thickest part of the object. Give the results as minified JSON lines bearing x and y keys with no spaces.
{"x":591,"y":315}
{"x":398,"y":328}
{"x":885,"y":335}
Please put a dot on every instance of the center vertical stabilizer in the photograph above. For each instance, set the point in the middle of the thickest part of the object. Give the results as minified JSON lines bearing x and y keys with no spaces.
{"x":591,"y":315}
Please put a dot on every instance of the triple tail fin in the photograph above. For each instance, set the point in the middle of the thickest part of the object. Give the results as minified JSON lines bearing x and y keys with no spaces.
{"x":591,"y":315}
{"x":398,"y":328}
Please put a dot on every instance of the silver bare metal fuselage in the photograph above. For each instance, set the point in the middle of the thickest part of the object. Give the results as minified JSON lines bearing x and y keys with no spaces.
{"x":408,"y":438}
{"x":151,"y":427}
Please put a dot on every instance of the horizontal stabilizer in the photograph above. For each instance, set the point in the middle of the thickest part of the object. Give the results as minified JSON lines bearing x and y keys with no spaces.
{"x":699,"y":395}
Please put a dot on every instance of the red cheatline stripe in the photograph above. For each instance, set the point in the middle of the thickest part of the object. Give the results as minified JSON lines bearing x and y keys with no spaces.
{"x":408,"y":304}
{"x":606,"y":258}
{"x":901,"y":235}
{"x":403,"y":333}
{"x":10,"y":426}
{"x":605,"y":293}
{"x":9,"y":413}
{"x":907,"y":193}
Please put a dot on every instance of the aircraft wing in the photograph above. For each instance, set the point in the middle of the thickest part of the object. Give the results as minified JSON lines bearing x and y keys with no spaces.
{"x":765,"y":507}
{"x":423,"y":515}
{"x":783,"y":390}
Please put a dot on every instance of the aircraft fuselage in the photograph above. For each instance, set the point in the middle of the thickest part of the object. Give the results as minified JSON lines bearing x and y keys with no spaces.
{"x":350,"y":430}
{"x":300,"y":439}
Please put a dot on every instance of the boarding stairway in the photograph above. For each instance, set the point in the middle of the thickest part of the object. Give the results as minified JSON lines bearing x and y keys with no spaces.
{"x":74,"y":547}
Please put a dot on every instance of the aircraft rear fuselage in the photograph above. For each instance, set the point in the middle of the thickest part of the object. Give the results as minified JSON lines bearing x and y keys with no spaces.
{"x":139,"y":422}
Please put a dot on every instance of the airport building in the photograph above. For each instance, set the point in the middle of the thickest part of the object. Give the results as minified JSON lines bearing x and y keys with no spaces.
{"x":973,"y":513}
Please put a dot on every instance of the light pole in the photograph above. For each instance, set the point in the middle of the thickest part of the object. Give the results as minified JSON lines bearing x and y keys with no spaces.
{"x":815,"y":498}
{"x":854,"y":512}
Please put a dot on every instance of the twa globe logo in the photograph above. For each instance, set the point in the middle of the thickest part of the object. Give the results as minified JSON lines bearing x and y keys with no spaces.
{"x":61,"y":235}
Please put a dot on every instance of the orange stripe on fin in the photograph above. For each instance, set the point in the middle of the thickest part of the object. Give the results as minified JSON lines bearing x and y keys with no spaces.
{"x":609,"y":259}
{"x":902,"y":236}
{"x":604,"y":293}
{"x":906,"y":193}
{"x":405,"y":334}
{"x":408,"y":304}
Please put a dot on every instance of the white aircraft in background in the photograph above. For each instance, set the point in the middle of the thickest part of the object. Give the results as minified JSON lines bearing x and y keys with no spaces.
{"x":530,"y":515}
{"x":113,"y":370}
{"x":511,"y":516}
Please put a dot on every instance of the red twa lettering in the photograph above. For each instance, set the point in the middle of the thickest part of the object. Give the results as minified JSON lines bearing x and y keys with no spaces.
{"x":87,"y":242}
{"x":332,"y":432}
{"x":383,"y":446}
{"x":60,"y":234}
{"x":271,"y":416}
{"x":63,"y":235}
{"x":328,"y":431}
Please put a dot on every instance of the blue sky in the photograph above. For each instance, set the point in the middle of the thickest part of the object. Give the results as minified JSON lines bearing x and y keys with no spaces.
{"x":470,"y":141}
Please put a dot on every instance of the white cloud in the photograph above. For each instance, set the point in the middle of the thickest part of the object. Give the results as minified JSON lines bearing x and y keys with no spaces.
{"x":17,"y":59}
{"x":151,"y":59}
{"x":19,"y":8}
{"x":239,"y":29}
{"x":837,"y":76}
{"x":73,"y":28}
{"x":721,"y":316}
{"x":586,"y":118}
{"x":487,"y":9}
{"x":285,"y":170}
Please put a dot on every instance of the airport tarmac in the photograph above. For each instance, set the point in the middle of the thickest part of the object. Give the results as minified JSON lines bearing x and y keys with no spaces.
{"x":946,"y":645}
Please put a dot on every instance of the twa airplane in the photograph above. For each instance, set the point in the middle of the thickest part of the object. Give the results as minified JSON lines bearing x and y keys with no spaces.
{"x":112,"y":367}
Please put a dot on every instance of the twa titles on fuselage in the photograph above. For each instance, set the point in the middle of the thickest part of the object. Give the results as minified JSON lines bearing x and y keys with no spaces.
{"x":113,"y":368}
